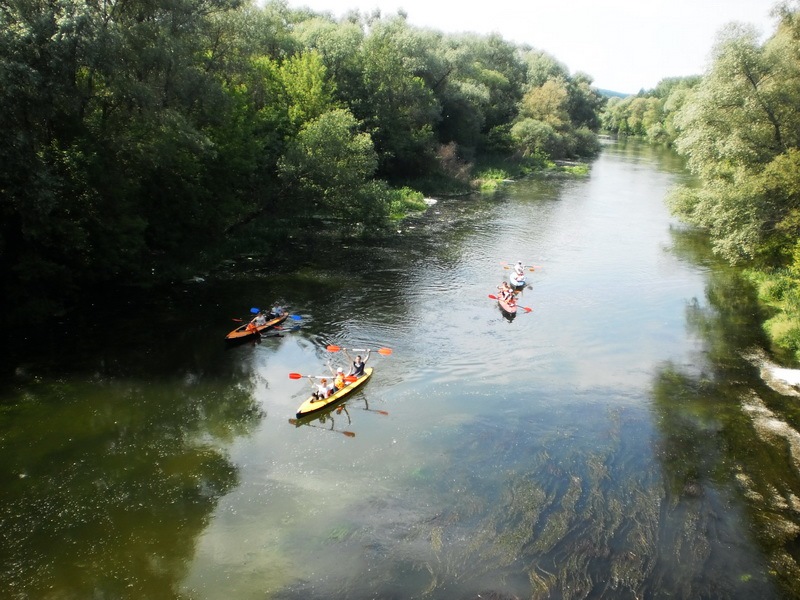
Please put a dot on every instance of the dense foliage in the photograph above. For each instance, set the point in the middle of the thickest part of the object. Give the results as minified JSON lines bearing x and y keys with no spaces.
{"x":738,"y":127}
{"x":144,"y":139}
{"x":739,"y":130}
{"x":649,"y":114}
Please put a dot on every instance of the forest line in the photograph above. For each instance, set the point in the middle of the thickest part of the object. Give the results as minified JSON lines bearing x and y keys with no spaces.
{"x":147,"y":141}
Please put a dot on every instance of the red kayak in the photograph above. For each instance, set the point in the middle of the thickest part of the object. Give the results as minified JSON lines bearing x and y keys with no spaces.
{"x":510,"y":308}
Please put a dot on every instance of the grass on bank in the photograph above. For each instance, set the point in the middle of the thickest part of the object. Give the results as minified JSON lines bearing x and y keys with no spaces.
{"x":779,"y":291}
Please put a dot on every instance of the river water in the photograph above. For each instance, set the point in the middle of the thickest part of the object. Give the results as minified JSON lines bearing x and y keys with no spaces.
{"x":602,"y":445}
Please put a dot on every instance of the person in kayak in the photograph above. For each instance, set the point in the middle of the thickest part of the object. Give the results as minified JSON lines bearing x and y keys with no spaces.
{"x":338,"y":380}
{"x":322,"y":391}
{"x":357,"y":368}
{"x":519,"y":268}
{"x":505,"y":291}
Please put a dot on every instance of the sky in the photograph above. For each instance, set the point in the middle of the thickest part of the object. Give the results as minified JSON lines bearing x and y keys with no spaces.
{"x":624,"y":45}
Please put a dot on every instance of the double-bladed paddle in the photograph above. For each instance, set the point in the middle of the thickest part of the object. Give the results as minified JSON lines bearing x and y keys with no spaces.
{"x":527,"y":309}
{"x":384,"y":351}
{"x":255,"y":311}
{"x":350,"y":378}
{"x":531,"y":268}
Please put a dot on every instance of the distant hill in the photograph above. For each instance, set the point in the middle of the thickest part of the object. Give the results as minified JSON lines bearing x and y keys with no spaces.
{"x":610,"y":94}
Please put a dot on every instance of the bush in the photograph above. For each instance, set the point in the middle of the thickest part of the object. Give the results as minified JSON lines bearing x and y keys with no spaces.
{"x":404,"y":201}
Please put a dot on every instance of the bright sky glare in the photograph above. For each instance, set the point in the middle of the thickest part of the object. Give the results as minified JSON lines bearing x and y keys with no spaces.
{"x":624,"y":45}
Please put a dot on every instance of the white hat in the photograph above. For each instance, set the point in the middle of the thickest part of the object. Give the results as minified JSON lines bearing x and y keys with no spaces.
{"x":340,"y":370}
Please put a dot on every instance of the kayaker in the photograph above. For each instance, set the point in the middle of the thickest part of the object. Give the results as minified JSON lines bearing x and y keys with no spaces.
{"x":275,"y":312}
{"x":505,"y":291}
{"x":338,"y":381}
{"x":357,"y":368}
{"x":260,"y":319}
{"x":322,"y":391}
{"x":519,"y":268}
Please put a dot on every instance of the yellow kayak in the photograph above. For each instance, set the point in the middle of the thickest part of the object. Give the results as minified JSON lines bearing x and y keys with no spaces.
{"x":313,"y":405}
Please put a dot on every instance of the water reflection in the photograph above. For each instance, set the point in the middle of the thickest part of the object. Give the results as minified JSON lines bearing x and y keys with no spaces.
{"x":710,"y":452}
{"x":599,"y":446}
{"x":107,"y":483}
{"x":326,"y":419}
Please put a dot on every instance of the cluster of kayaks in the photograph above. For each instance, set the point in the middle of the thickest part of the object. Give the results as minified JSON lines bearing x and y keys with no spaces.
{"x":314,"y":404}
{"x":256,"y":328}
{"x":508,"y":303}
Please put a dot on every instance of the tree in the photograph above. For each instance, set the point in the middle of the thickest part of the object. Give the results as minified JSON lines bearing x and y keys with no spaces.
{"x":397,"y":108}
{"x":308,"y":91}
{"x":547,"y":103}
{"x":739,"y":121}
{"x":329,"y":166}
{"x":339,"y":45}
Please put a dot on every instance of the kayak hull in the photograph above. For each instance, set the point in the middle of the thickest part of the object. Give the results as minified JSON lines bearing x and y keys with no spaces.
{"x":241,"y":334}
{"x":508,"y":308}
{"x":312,"y":405}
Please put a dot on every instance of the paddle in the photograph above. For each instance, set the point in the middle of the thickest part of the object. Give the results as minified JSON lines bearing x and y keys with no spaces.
{"x":350,"y":378}
{"x":347,"y":433}
{"x":380,"y":412}
{"x":255,"y":311}
{"x":384,"y":351}
{"x":527,"y":309}
{"x":375,"y":410}
{"x":529,"y":267}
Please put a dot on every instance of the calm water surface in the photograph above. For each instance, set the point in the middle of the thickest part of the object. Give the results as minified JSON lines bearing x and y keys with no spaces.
{"x":588,"y":449}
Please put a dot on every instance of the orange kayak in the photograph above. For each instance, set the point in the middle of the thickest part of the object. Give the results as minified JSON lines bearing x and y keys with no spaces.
{"x":509,"y":308}
{"x":242,"y":333}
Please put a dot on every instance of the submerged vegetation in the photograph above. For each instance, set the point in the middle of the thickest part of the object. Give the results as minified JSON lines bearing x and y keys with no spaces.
{"x":143,"y":140}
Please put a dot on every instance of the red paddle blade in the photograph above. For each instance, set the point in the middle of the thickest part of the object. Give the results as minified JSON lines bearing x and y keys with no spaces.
{"x":492,"y":296}
{"x":385,"y":351}
{"x":349,"y":433}
{"x":333,"y":348}
{"x":295,"y":376}
{"x":526,"y":308}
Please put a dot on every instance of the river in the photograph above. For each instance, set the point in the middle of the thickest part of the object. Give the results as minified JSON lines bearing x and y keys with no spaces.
{"x":604,"y":444}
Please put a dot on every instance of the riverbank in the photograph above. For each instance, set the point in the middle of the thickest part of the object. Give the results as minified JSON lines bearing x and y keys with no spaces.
{"x":781,"y":379}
